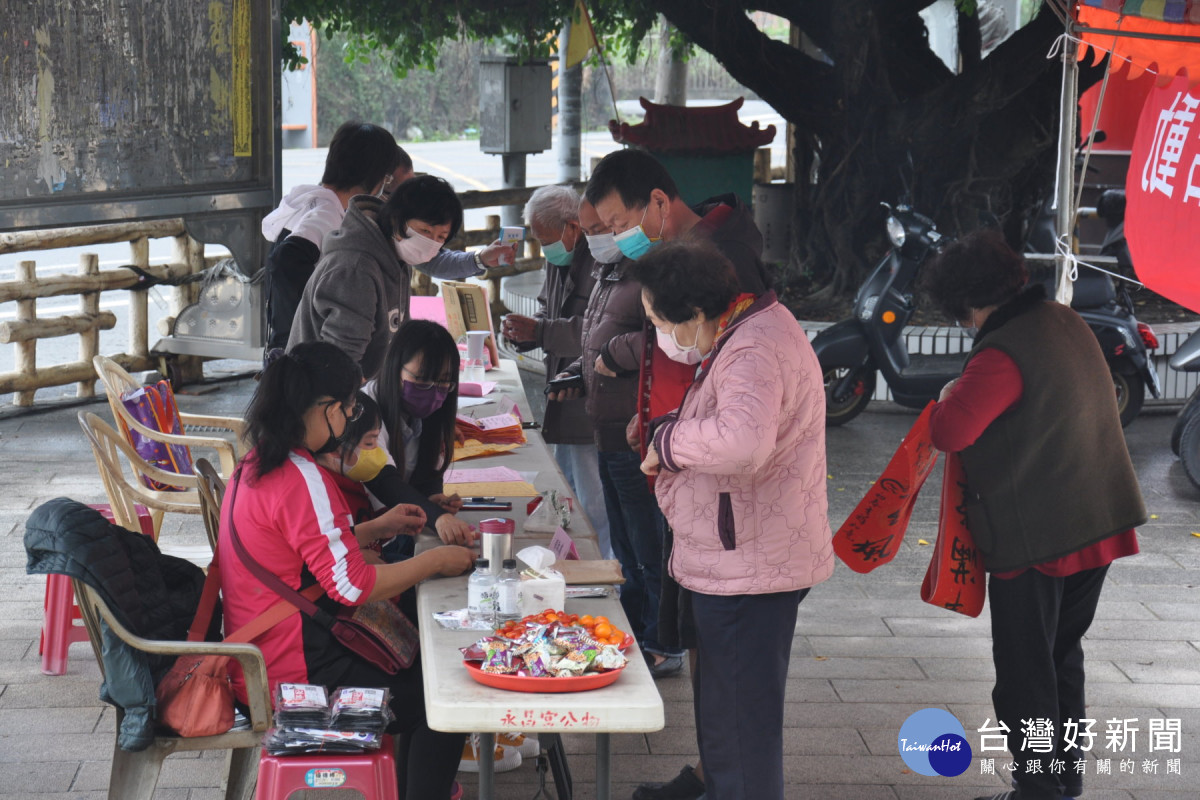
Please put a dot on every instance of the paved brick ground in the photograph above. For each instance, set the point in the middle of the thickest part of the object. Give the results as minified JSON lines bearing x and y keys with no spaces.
{"x":867,"y":653}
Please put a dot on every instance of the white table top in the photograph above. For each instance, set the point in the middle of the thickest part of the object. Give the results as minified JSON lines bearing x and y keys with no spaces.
{"x":453,"y":700}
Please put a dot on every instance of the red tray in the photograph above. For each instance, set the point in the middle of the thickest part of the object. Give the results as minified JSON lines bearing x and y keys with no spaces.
{"x":526,"y":683}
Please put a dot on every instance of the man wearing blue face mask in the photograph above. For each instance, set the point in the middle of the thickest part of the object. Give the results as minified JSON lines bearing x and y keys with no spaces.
{"x":552,"y":215}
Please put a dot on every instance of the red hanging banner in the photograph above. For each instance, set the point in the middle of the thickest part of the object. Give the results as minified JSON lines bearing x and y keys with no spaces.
{"x":871,"y":535}
{"x":1162,"y":189}
{"x":955,"y":579}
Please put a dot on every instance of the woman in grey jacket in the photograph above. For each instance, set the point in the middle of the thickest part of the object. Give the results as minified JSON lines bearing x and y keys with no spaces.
{"x":358,"y":295}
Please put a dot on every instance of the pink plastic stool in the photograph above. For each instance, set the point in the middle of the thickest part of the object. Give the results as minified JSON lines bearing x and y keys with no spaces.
{"x":59,"y":611}
{"x":372,"y":774}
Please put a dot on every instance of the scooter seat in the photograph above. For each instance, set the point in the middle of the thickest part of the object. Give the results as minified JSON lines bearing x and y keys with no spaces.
{"x":920,"y":365}
{"x":1092,"y":290}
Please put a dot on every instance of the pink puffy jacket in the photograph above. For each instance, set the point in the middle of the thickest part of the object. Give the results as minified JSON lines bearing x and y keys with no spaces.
{"x":743,"y":463}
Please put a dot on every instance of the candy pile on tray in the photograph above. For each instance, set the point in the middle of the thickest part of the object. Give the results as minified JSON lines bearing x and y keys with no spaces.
{"x":552,"y":644}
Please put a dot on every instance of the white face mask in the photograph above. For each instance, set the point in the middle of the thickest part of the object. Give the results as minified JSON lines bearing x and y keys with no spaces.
{"x":604,"y":249}
{"x":416,"y":248}
{"x":675,"y":351}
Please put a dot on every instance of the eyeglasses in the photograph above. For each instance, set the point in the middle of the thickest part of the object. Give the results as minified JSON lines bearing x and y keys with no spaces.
{"x":383,"y":189}
{"x":353,"y":414}
{"x":448,"y":386}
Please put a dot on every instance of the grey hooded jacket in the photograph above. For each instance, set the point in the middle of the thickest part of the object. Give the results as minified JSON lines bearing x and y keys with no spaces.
{"x":358,"y":295}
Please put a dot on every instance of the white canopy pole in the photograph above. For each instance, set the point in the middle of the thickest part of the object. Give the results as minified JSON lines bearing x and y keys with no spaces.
{"x":1065,"y":197}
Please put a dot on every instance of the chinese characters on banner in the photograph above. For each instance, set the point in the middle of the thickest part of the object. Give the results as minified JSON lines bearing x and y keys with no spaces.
{"x":1162,"y":214}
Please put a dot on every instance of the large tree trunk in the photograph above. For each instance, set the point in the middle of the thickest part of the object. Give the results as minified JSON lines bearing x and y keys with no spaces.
{"x":882,"y":119}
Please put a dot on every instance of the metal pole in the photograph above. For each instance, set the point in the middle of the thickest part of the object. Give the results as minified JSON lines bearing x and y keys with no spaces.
{"x":570,"y":104}
{"x":1065,"y":222}
{"x":603,"y":766}
{"x":487,"y":764}
{"x":514,"y":178}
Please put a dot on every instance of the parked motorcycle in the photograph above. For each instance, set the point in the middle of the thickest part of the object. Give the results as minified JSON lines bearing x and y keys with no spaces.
{"x":1185,"y":436}
{"x":852,"y":351}
{"x":1105,"y":304}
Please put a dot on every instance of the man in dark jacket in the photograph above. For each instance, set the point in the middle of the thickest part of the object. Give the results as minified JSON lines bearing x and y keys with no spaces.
{"x":636,"y":198}
{"x":552,"y":215}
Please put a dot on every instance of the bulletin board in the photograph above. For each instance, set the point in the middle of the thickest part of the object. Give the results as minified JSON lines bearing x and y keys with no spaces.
{"x":119,"y":110}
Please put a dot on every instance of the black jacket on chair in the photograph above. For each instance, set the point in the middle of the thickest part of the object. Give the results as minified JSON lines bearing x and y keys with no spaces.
{"x":154,"y":595}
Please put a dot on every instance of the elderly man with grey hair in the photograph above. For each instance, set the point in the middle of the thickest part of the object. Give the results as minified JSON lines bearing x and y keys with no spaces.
{"x":552,"y":215}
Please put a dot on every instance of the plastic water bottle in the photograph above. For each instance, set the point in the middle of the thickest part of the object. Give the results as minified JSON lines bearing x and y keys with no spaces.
{"x":482,"y":593}
{"x":511,"y":599}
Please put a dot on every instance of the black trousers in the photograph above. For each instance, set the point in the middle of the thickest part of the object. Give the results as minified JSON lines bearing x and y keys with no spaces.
{"x":1038,"y":623}
{"x":744,"y":646}
{"x":426,"y":760}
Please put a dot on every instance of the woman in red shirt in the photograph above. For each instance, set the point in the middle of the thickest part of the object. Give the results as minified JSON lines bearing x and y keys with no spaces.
{"x":1051,"y":497}
{"x":291,"y":517}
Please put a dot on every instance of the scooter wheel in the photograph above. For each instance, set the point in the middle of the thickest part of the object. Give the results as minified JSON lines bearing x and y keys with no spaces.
{"x":1189,"y":410}
{"x":1189,"y":450}
{"x":1131,"y":394}
{"x":839,"y":413}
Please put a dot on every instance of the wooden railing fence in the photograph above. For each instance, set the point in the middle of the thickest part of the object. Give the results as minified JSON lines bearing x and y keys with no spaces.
{"x":28,"y":328}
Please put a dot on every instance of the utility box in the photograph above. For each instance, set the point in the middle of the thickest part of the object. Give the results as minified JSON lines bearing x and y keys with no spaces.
{"x":514,"y":105}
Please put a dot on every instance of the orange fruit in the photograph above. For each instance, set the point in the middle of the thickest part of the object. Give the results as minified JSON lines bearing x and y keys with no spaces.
{"x":603,"y":630}
{"x":587,"y":620}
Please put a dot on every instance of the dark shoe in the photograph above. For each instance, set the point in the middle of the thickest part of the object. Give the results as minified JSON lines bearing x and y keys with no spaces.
{"x":668,"y":666}
{"x":684,"y":786}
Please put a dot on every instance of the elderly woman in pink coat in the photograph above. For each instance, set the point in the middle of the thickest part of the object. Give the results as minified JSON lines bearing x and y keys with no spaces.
{"x":740,"y":472}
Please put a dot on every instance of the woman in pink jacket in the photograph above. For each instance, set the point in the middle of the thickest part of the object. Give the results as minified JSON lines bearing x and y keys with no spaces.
{"x":741,"y":480}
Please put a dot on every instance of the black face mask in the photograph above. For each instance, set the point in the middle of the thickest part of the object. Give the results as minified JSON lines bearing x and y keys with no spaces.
{"x":332,"y":443}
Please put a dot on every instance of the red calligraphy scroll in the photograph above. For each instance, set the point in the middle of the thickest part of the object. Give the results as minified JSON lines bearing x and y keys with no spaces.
{"x":871,"y":535}
{"x":1162,"y":189}
{"x":955,"y":579}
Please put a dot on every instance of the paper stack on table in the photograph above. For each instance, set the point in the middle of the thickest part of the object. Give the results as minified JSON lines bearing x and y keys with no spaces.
{"x":490,"y":482}
{"x":497,"y":429}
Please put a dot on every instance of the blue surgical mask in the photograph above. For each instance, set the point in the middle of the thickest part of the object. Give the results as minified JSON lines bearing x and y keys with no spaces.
{"x":604,"y":249}
{"x":557,"y":253}
{"x":635,"y":243}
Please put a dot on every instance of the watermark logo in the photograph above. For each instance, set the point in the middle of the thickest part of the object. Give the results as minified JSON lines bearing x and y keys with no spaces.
{"x":933,"y":742}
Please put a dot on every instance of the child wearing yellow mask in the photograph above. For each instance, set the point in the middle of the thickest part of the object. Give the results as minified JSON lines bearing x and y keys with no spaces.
{"x":357,"y":460}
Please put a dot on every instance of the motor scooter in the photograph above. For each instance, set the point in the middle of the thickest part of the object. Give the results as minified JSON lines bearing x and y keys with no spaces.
{"x":1105,"y":304}
{"x":1185,"y":436}
{"x":852,"y":351}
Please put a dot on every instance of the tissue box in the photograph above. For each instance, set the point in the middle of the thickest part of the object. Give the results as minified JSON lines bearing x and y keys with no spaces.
{"x":542,"y":593}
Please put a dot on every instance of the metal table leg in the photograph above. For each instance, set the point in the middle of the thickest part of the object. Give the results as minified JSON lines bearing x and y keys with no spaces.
{"x":563,"y":784}
{"x":603,"y":767}
{"x":487,"y":766}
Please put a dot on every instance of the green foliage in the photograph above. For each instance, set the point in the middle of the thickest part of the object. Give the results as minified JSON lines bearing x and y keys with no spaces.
{"x":357,"y":84}
{"x":410,"y":34}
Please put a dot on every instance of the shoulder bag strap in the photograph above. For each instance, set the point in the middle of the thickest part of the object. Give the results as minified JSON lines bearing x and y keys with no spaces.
{"x":300,"y":600}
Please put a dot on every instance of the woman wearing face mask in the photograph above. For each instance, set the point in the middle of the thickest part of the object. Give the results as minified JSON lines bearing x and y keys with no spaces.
{"x":741,"y":480}
{"x":358,"y":295}
{"x":291,"y":518}
{"x":359,"y":459}
{"x":417,"y":393}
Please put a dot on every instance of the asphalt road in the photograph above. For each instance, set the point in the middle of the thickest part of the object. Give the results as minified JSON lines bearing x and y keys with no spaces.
{"x":459,"y":162}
